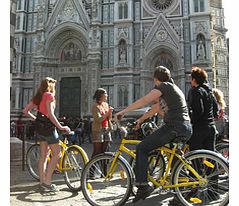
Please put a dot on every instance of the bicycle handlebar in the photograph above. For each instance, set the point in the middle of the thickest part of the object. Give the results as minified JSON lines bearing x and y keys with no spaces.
{"x":68,"y":133}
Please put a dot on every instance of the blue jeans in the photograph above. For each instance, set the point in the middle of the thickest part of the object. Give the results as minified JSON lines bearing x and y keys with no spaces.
{"x":160,"y":137}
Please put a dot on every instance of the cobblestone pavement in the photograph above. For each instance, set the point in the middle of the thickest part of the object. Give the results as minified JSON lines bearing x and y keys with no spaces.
{"x":24,"y":189}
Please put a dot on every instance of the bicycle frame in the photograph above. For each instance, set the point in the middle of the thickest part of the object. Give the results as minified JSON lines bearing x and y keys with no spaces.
{"x":163,"y":180}
{"x":122,"y":149}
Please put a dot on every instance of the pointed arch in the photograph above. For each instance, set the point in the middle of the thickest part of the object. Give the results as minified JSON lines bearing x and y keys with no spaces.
{"x":59,"y":36}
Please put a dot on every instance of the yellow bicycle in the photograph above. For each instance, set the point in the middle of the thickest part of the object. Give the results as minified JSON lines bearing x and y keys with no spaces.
{"x":200,"y":177}
{"x":72,"y":161}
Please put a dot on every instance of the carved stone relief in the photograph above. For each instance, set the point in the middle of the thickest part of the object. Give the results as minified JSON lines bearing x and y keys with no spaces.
{"x":69,"y":13}
{"x":95,"y":9}
{"x":40,"y":16}
{"x":40,"y":44}
{"x":201,"y":27}
{"x":123,"y":32}
{"x":147,"y":29}
{"x":71,"y":52}
{"x":161,"y":35}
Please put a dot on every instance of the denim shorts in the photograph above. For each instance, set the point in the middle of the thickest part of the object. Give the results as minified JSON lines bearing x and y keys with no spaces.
{"x":52,"y":139}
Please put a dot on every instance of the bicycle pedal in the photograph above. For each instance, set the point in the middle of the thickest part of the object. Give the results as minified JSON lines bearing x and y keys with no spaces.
{"x":164,"y":192}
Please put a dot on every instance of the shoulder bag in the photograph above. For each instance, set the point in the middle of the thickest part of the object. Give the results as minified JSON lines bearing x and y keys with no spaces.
{"x":43,"y":125}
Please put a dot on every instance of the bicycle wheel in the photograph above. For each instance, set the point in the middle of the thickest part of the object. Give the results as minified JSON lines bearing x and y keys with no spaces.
{"x":223,"y":148}
{"x":210,"y":166}
{"x":100,"y":190}
{"x":32,"y":157}
{"x":156,"y":167}
{"x":73,"y":162}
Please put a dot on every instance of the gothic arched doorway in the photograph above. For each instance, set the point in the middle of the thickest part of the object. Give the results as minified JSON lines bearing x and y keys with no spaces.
{"x":164,"y":59}
{"x":163,"y":56}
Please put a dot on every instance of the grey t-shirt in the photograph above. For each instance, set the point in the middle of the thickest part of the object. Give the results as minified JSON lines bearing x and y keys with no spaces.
{"x":172,"y":102}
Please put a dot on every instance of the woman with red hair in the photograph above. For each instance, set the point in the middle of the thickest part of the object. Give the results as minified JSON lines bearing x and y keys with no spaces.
{"x":44,"y":103}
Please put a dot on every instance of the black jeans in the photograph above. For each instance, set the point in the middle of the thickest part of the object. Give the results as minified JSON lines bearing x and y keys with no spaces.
{"x":160,"y":137}
{"x":203,"y":137}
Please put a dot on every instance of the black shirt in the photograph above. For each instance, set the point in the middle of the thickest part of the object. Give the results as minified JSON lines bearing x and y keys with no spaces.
{"x":201,"y":105}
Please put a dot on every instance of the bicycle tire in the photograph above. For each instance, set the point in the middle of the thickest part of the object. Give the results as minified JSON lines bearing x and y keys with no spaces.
{"x":32,"y":157}
{"x":223,"y":148}
{"x":211,"y":166}
{"x":156,"y":167}
{"x":98,"y":190}
{"x":73,"y":162}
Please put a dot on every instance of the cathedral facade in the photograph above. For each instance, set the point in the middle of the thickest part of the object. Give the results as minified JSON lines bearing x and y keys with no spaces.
{"x":114,"y":44}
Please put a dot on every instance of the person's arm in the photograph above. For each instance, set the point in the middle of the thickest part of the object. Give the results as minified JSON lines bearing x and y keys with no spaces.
{"x":155,"y":109}
{"x":98,"y":117}
{"x":197,"y":106}
{"x":152,"y":95}
{"x":111,"y":111}
{"x":52,"y":117}
{"x":27,"y":110}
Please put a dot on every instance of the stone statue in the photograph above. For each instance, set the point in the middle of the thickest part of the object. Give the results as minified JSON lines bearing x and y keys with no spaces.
{"x":122,"y":56}
{"x":201,"y":55}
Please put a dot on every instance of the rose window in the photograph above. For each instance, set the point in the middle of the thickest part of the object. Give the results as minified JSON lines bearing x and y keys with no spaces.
{"x":161,"y":4}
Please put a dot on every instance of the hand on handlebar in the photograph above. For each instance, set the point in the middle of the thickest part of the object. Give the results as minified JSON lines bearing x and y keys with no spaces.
{"x":111,"y":109}
{"x":66,"y":129}
{"x":118,"y":116}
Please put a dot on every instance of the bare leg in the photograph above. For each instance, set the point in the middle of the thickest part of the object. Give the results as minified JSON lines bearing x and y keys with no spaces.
{"x":97,"y":148}
{"x":43,"y":161}
{"x":56,"y":155}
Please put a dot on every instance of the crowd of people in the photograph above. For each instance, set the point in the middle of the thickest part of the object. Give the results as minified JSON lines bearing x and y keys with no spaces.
{"x":81,"y":127}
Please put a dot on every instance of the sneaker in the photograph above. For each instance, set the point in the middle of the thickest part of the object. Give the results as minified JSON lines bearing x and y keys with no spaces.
{"x":49,"y":188}
{"x":143,"y":192}
{"x":40,"y":186}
